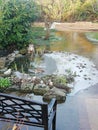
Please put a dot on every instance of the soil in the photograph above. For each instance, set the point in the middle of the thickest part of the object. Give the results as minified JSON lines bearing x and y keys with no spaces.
{"x":76,"y":26}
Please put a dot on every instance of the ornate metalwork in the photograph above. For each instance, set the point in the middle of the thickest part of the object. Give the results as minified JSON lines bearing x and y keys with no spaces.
{"x":22,"y":111}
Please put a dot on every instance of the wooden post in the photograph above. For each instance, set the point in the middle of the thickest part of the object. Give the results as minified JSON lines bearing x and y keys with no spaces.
{"x":45,"y":116}
{"x":54,"y":119}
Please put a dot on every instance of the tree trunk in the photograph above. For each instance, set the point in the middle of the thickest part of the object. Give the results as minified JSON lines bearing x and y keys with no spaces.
{"x":47,"y":26}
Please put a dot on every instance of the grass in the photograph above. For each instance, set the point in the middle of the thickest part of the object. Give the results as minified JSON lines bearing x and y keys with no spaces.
{"x":93,"y":35}
{"x":38,"y":35}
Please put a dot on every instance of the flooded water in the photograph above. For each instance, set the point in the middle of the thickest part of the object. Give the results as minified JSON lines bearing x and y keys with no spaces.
{"x":72,"y":51}
{"x":76,"y":42}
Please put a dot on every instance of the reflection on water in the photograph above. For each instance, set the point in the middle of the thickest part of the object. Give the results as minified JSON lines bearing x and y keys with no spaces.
{"x":76,"y":42}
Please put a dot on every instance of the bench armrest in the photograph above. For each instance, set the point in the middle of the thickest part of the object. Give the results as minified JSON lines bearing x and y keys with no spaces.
{"x":52,"y":106}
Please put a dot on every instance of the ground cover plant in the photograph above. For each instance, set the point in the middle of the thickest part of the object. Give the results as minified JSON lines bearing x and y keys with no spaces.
{"x":4,"y":83}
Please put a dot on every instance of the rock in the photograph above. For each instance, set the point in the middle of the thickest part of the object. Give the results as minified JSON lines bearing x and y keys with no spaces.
{"x":59,"y":94}
{"x":2,"y":72}
{"x":63,"y":88}
{"x":21,"y":75}
{"x":18,"y":74}
{"x":16,"y":52}
{"x":13,"y":88}
{"x":10,"y":58}
{"x":19,"y":56}
{"x":8,"y":72}
{"x":23,"y":51}
{"x":27,"y":87}
{"x":41,"y":89}
{"x":2,"y":62}
{"x":29,"y":96}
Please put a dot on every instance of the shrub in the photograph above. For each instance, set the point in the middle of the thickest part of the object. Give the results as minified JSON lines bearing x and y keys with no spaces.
{"x":15,"y":27}
{"x":4,"y":83}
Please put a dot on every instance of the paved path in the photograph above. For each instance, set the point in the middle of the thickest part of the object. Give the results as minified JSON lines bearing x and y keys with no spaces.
{"x":79,"y":112}
{"x":76,"y":26}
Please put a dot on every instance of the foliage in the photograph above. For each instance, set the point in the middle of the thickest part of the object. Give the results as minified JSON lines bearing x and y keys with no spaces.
{"x":52,"y":10}
{"x":16,"y":17}
{"x":64,"y":79}
{"x":61,"y":80}
{"x":15,"y":25}
{"x":80,"y":10}
{"x":21,"y":64}
{"x":70,"y":10}
{"x":69,"y":77}
{"x":92,"y":36}
{"x":5,"y":83}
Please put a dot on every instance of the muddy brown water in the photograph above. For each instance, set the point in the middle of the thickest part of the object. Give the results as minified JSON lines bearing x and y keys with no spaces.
{"x":76,"y":42}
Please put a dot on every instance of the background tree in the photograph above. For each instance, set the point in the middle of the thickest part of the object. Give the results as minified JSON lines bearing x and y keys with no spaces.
{"x":70,"y":10}
{"x":51,"y":10}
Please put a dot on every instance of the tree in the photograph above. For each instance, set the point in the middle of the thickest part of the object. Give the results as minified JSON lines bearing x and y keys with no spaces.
{"x":70,"y":10}
{"x":15,"y":28}
{"x":51,"y":10}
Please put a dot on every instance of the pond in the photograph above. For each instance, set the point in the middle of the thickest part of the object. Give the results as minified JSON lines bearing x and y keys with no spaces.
{"x":81,"y":51}
{"x":76,"y":42}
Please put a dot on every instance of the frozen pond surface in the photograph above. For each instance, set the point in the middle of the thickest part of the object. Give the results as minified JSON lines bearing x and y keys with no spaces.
{"x":85,"y":70}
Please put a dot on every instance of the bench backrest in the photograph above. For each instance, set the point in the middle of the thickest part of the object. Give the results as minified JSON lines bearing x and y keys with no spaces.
{"x":24,"y":111}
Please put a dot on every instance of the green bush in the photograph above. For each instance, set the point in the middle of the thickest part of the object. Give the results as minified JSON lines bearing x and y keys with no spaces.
{"x":4,"y":83}
{"x":15,"y":25}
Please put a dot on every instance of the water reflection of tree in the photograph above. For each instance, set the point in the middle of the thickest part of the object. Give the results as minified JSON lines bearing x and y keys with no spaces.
{"x":75,"y":42}
{"x":47,"y":47}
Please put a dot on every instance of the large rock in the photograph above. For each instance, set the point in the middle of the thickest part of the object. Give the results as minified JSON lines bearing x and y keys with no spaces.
{"x":2,"y":62}
{"x":13,"y":88}
{"x":27,"y":87}
{"x":41,"y":89}
{"x":57,"y":93}
{"x":23,"y":76}
{"x":9,"y":59}
{"x":63,"y":87}
{"x":8,"y":72}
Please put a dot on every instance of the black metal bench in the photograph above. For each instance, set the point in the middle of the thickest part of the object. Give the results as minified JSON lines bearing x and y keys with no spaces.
{"x":21,"y":111}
